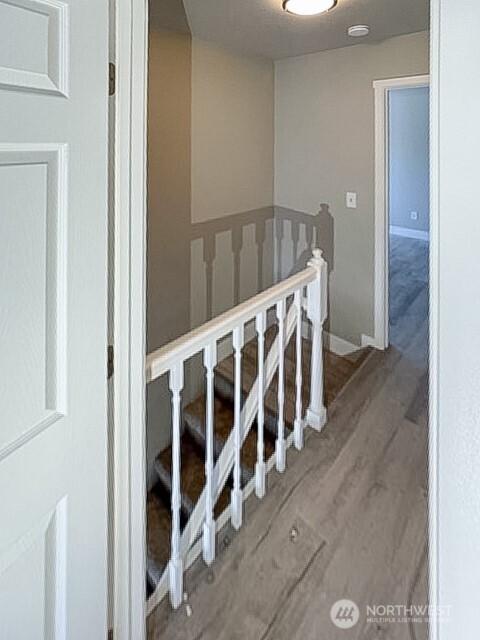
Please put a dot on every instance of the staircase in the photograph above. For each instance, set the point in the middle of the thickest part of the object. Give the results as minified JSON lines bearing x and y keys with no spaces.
{"x":337,"y":371}
{"x":225,"y":442}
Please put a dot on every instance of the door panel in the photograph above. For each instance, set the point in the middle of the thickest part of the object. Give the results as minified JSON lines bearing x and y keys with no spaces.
{"x":53,"y":319}
{"x":35,"y":567}
{"x":32,"y":281}
{"x":34,"y":45}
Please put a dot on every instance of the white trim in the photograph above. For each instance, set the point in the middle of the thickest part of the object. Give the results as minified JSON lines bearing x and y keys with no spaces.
{"x":381,"y":89}
{"x":129,"y":318}
{"x":338,"y":345}
{"x":434,"y":279}
{"x":405,"y":232}
{"x":406,"y":82}
{"x":369,"y":341}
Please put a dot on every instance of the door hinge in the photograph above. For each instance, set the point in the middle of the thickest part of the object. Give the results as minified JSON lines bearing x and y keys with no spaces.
{"x":111,"y":78}
{"x":109,"y":361}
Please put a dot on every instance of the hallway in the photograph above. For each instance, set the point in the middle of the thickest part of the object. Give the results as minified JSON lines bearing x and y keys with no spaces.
{"x":347,"y":520}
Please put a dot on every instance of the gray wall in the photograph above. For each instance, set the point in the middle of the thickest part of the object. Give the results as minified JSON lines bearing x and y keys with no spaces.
{"x":324,"y":146}
{"x":409,"y":157}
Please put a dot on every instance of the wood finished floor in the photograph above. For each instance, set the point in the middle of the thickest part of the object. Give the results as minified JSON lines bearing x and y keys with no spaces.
{"x":355,"y":500}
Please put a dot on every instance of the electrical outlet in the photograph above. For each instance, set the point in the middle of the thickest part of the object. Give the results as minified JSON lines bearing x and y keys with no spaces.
{"x":413,"y":215}
{"x":351,"y":200}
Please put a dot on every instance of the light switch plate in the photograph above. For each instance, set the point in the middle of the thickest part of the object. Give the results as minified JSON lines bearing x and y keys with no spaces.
{"x":351,"y":200}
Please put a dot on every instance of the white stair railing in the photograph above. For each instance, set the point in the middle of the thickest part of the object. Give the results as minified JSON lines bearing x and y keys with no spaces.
{"x":310,"y":286}
{"x":210,"y":354}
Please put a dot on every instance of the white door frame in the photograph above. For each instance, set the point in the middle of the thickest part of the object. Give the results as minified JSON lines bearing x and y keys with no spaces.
{"x":130,"y":258}
{"x":434,"y":313}
{"x":382,"y":89}
{"x":129,"y":319}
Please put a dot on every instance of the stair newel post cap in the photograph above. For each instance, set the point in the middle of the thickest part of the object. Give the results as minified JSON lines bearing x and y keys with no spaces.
{"x":317,"y":259}
{"x":317,"y":295}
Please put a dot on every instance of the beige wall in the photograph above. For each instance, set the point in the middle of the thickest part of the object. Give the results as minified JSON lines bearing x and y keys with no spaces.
{"x":232,"y":132}
{"x":324,"y":146}
{"x":169,"y":193}
{"x":168,"y":213}
{"x":210,"y":153}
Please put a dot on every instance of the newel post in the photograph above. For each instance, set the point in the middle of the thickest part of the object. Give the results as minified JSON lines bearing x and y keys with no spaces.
{"x":317,"y":312}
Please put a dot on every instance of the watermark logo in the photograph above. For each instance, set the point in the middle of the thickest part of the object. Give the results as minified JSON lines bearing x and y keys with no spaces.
{"x":412,"y":614}
{"x":344,"y":614}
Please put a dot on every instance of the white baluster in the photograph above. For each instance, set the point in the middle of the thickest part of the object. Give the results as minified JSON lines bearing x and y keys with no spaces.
{"x":236,"y":495}
{"x":298,"y":425}
{"x":260,"y":467}
{"x":210,"y":360}
{"x":317,"y":311}
{"x":176,"y":561}
{"x":280,"y":448}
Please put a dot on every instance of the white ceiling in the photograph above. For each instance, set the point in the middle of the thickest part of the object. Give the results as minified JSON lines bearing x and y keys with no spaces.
{"x":261,"y":27}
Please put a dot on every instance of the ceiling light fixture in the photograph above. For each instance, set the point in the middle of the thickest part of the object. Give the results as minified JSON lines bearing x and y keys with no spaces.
{"x":308,"y":7}
{"x":358,"y":30}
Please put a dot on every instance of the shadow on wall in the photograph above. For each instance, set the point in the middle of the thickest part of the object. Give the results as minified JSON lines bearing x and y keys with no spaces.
{"x":223,"y":262}
{"x":231,"y":259}
{"x":235,"y":257}
{"x":296,"y":235}
{"x":228,"y":260}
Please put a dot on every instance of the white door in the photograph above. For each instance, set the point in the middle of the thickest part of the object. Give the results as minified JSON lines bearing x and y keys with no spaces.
{"x":53,"y":255}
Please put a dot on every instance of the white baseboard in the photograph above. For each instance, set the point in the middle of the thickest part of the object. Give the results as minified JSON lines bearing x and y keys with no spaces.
{"x":409,"y":233}
{"x":338,"y":345}
{"x":333,"y":343}
{"x":368,"y":341}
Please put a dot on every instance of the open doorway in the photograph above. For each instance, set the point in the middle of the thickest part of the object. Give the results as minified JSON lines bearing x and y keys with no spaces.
{"x":408,"y":216}
{"x":402,"y":206}
{"x":240,"y":195}
{"x":435,"y":78}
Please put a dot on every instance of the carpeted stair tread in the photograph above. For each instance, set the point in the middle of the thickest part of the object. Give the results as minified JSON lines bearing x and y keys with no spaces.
{"x":159,"y":524}
{"x":225,"y":381}
{"x":194,"y":416}
{"x":192,"y":477}
{"x":192,"y":472}
{"x":337,"y":371}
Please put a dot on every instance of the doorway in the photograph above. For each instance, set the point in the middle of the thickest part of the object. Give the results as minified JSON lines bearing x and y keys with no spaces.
{"x":408,"y":199}
{"x":401,"y":199}
{"x":447,"y":19}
